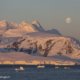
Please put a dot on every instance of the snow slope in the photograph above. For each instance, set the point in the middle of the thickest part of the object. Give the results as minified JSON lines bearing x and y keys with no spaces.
{"x":44,"y":44}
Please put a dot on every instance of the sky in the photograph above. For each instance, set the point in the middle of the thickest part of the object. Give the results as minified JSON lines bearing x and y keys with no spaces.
{"x":63,"y":15}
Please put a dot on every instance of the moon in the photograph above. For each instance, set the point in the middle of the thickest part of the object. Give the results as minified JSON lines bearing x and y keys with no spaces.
{"x":68,"y":20}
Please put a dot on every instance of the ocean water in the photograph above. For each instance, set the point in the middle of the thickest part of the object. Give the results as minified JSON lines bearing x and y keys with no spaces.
{"x":34,"y":73}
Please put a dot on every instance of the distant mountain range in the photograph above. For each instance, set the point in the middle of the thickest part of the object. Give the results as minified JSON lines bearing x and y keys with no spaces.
{"x":23,"y":27}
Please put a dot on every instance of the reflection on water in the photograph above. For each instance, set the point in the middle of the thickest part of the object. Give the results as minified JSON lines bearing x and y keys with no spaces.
{"x":33,"y":73}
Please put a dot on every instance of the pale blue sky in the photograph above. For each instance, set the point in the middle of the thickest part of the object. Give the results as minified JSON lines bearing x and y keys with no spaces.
{"x":50,"y":13}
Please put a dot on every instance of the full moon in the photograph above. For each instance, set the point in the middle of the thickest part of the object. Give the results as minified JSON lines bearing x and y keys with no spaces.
{"x":68,"y":20}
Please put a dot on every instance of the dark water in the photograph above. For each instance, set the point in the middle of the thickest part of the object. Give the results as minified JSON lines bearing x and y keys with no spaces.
{"x":33,"y":73}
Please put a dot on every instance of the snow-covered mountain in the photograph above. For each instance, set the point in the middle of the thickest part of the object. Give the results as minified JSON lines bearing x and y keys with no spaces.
{"x":32,"y":39}
{"x":49,"y":45}
{"x":12,"y":28}
{"x":44,"y":44}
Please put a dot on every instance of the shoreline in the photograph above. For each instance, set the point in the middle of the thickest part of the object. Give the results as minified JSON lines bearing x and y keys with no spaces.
{"x":46,"y":66}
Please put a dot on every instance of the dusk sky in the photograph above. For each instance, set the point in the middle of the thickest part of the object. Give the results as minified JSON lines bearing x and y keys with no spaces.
{"x":63,"y":15}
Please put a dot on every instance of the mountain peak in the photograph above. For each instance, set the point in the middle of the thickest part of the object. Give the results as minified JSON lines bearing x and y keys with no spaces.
{"x":36,"y":22}
{"x":26,"y":27}
{"x":37,"y":25}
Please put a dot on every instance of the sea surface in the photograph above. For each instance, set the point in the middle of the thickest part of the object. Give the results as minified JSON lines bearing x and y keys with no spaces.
{"x":34,"y":73}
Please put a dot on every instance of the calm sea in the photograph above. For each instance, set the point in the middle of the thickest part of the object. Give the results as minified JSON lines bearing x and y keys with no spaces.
{"x":34,"y":73}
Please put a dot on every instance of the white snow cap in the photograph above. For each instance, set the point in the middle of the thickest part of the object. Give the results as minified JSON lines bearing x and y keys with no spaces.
{"x":25,"y":26}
